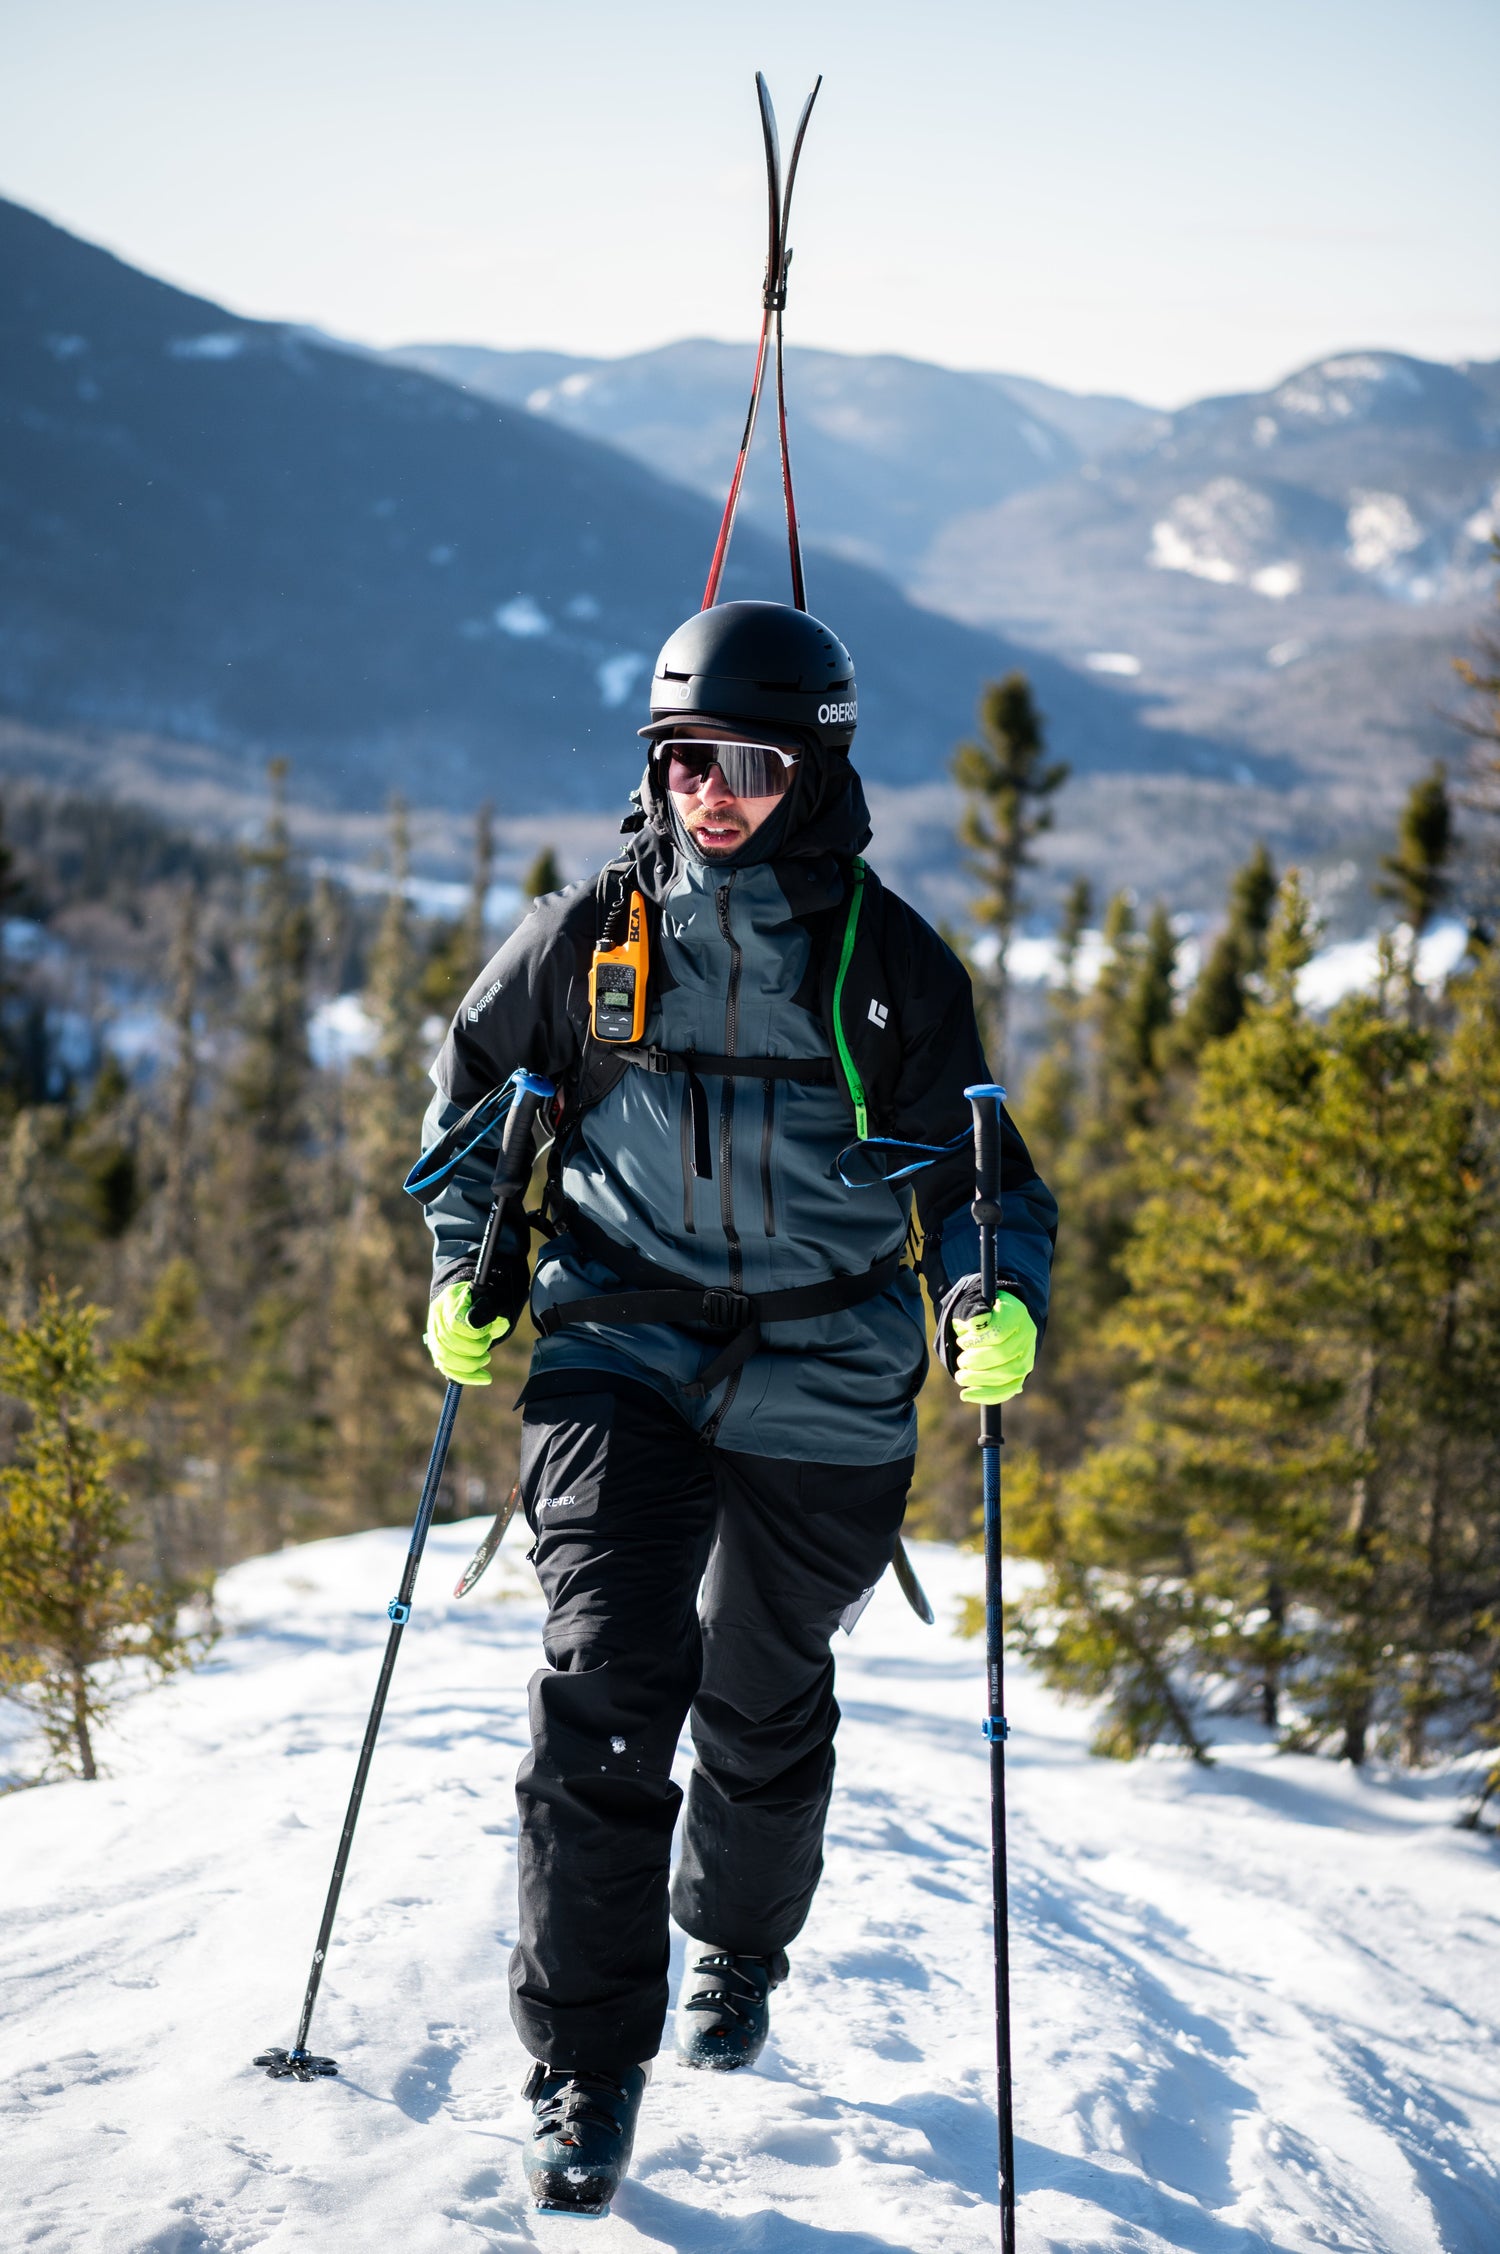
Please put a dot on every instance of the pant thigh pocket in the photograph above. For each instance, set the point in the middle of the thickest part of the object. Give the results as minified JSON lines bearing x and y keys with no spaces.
{"x":564,"y":1458}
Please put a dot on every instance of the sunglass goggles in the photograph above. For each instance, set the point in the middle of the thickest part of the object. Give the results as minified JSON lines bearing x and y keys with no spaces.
{"x":749,"y":770}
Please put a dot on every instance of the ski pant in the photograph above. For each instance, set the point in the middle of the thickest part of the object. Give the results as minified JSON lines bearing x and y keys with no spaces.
{"x":632,"y":1512}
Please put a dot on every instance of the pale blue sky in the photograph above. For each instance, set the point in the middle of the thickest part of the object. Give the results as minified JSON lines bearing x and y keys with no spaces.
{"x":1163,"y":197}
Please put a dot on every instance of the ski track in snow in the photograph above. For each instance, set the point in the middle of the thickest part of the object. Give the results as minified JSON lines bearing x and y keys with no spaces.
{"x":1256,"y":2008}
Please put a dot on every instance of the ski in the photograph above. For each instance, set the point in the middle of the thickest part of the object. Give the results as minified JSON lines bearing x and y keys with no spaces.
{"x":479,"y":1563}
{"x":773,"y":305}
{"x":910,"y":1587}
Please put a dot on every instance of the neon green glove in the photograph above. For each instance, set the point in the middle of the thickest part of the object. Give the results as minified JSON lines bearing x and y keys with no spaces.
{"x":996,"y":1352}
{"x":460,"y":1349}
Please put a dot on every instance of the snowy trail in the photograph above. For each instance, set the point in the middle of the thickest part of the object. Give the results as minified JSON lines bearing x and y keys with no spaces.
{"x":1257,"y":2008}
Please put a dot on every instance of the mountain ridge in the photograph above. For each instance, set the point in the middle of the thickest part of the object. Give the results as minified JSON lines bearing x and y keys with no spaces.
{"x":224,"y":531}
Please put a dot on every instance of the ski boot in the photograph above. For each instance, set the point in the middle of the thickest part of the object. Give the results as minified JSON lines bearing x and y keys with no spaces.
{"x":724,"y":2010}
{"x":583,"y":2126}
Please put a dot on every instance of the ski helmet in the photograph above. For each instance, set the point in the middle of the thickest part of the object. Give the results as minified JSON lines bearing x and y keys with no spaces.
{"x":757,"y":662}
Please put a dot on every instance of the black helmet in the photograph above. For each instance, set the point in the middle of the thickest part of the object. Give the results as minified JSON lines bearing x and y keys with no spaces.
{"x":751,"y":662}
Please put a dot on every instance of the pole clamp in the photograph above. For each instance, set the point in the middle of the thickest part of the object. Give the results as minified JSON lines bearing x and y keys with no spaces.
{"x":996,"y":1728}
{"x":398,"y":1611}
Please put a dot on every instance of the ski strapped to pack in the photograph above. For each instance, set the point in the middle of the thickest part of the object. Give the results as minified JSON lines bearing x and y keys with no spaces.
{"x":773,"y":305}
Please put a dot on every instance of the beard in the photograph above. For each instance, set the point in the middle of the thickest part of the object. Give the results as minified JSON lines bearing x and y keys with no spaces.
{"x":718,"y":835}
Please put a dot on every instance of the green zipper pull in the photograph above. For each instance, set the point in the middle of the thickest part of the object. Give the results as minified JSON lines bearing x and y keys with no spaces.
{"x":852,"y":1081}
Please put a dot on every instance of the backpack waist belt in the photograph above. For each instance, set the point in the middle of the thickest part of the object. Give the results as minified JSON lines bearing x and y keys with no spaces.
{"x":659,"y":1296}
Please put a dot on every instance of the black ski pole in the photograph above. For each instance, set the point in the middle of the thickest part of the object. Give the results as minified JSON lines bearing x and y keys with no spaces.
{"x":986,"y":1100}
{"x":512,"y":1172}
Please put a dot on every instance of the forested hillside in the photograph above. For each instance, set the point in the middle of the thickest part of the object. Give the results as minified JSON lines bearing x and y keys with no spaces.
{"x":1259,"y":1464}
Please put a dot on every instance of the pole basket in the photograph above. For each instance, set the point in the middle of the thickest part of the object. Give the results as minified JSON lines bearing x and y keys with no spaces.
{"x":295,"y":2066}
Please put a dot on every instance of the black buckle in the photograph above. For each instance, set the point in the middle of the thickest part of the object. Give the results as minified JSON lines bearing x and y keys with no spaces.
{"x":727,"y":1310}
{"x":656,"y":1060}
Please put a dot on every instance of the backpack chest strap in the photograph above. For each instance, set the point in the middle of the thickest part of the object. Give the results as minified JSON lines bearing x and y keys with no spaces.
{"x":813,"y":1072}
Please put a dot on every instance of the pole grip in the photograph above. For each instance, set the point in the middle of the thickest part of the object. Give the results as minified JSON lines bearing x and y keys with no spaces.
{"x":986,"y":1098}
{"x":512,"y":1173}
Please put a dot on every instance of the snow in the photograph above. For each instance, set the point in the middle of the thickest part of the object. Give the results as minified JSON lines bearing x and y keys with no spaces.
{"x":1277,"y":580}
{"x":222,"y":344}
{"x":1381,"y":531}
{"x":1345,"y":389}
{"x":340,"y":1030}
{"x":1218,"y":533}
{"x":523,"y":618}
{"x":617,"y":676}
{"x":1255,"y":2005}
{"x":1351,"y":965}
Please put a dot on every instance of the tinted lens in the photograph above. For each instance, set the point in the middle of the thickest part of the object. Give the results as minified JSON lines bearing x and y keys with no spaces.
{"x":749,"y":770}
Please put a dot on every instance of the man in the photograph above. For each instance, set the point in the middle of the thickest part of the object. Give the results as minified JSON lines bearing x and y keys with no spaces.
{"x":722,"y":1395}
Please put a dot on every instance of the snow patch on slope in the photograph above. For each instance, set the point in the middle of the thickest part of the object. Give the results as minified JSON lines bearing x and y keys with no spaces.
{"x":1226,"y":531}
{"x":1346,"y":389}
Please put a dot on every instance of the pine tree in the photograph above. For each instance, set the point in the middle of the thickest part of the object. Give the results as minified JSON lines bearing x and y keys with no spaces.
{"x":73,"y":1625}
{"x":163,"y":1380}
{"x":1055,"y":1086}
{"x":461,"y":951}
{"x":1482,"y":725}
{"x":1295,"y":1501}
{"x":382,"y":1381}
{"x":177,"y":1220}
{"x":1006,"y":781}
{"x":544,"y":875}
{"x":1222,"y":989}
{"x":1416,"y":874}
{"x":267,"y":1269}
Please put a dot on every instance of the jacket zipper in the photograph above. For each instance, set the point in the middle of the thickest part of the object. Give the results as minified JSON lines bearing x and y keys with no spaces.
{"x":689,"y":1223}
{"x":726,"y":1098}
{"x":767,"y":1132}
{"x":726,"y":1140}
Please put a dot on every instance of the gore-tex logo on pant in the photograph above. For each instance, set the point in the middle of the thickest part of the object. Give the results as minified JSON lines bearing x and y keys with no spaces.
{"x":557,"y":1502}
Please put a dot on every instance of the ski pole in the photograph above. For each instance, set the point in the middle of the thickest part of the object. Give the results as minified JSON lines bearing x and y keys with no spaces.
{"x":512,"y":1172}
{"x":986,"y":1100}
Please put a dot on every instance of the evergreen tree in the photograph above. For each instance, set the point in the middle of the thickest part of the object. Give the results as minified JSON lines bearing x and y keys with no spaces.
{"x":177,"y":1218}
{"x":163,"y":1380}
{"x":544,"y":875}
{"x":1295,"y":1502}
{"x":1055,"y":1086}
{"x":1416,"y":874}
{"x":268,"y":1225}
{"x":461,"y":951}
{"x":1006,"y":781}
{"x":382,"y":1382}
{"x":73,"y":1624}
{"x":1221,"y":990}
{"x":11,"y":1076}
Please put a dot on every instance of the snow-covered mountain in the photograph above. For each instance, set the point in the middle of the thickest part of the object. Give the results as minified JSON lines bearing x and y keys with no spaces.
{"x":229,"y":533}
{"x":886,"y":450}
{"x":1255,"y":2006}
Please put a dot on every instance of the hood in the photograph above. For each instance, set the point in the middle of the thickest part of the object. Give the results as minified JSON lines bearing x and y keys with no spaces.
{"x":822,"y":824}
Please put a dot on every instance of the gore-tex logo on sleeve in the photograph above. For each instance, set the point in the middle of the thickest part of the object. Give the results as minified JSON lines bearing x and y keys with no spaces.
{"x":878,"y":1014}
{"x":476,"y":1010}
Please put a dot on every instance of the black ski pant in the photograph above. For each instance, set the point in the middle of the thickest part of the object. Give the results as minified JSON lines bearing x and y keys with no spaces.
{"x":679,"y":1578}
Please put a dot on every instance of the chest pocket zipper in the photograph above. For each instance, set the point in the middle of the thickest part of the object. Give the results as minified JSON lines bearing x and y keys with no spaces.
{"x":767,"y":1136}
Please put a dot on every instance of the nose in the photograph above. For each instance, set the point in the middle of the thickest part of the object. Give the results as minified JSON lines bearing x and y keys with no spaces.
{"x":714,"y":790}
